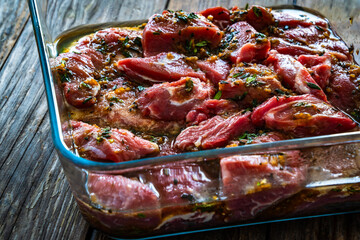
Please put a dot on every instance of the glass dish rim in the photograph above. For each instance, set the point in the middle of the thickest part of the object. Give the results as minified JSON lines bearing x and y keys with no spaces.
{"x":317,"y":141}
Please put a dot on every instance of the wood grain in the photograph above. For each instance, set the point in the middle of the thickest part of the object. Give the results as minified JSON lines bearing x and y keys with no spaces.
{"x":13,"y":16}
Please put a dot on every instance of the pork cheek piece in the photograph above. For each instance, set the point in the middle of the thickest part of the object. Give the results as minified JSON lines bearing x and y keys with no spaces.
{"x":254,"y":182}
{"x":214,"y":132}
{"x":172,"y":101}
{"x":302,"y":115}
{"x":164,"y":67}
{"x":116,"y":145}
{"x":294,"y":75}
{"x":171,"y":30}
{"x":251,"y":45}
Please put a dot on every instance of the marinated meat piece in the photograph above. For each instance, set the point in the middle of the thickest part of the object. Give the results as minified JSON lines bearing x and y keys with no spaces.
{"x":284,"y":47}
{"x":135,"y":206}
{"x":301,"y":116}
{"x":220,"y":16}
{"x":250,"y":45}
{"x":108,"y":144}
{"x":252,"y":183}
{"x":115,"y":43}
{"x":120,"y":193}
{"x":215,"y":69}
{"x":172,"y":101}
{"x":319,"y":66}
{"x":343,"y":91}
{"x":302,"y":36}
{"x":294,"y":75}
{"x":164,"y":67}
{"x":251,"y":84}
{"x":210,"y":108}
{"x":214,"y":132}
{"x":117,"y":107}
{"x":180,"y":183}
{"x":180,"y":32}
{"x":293,"y":20}
{"x":258,"y":17}
{"x":75,"y":72}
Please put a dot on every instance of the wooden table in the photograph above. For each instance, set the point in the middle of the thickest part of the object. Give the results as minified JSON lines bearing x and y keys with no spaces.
{"x":35,"y":199}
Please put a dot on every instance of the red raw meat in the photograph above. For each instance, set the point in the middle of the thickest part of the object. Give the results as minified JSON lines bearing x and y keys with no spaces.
{"x":251,"y":45}
{"x":252,"y":183}
{"x":107,"y":144}
{"x":220,"y":16}
{"x":179,"y":183}
{"x":320,"y":67}
{"x":135,"y":207}
{"x":210,"y":108}
{"x":120,"y":193}
{"x":303,"y":115}
{"x":172,"y":101}
{"x":164,"y":67}
{"x":214,"y":132}
{"x":171,"y":30}
{"x":251,"y":84}
{"x":215,"y":70}
{"x":294,"y":75}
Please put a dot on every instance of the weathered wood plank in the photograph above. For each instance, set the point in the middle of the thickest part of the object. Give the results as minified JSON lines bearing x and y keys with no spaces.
{"x":13,"y":16}
{"x":35,"y":197}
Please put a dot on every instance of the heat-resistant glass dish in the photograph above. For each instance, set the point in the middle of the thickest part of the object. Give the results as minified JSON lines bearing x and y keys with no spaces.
{"x":336,"y":192}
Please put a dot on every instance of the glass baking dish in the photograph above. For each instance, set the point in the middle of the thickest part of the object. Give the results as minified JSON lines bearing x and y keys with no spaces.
{"x":328,"y":189}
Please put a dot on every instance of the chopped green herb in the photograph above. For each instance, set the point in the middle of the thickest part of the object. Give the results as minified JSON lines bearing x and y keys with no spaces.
{"x":243,"y":96}
{"x":65,"y":77}
{"x":140,"y":88}
{"x":181,"y":18}
{"x":247,"y":136}
{"x":205,"y":207}
{"x":257,"y":12}
{"x":336,"y":190}
{"x":137,"y":41}
{"x":319,"y":28}
{"x":247,"y":6}
{"x":279,"y":91}
{"x":223,"y":82}
{"x":141,"y":215}
{"x":157,"y":32}
{"x":85,"y":85}
{"x":126,"y":41}
{"x":218,"y":95}
{"x":175,"y":181}
{"x":313,"y":85}
{"x":116,"y":99}
{"x":351,"y":189}
{"x":192,"y":16}
{"x":188,"y":197}
{"x":189,"y":85}
{"x":251,"y":81}
{"x":126,"y":54}
{"x":86,"y":100}
{"x":201,"y":44}
{"x":237,"y":74}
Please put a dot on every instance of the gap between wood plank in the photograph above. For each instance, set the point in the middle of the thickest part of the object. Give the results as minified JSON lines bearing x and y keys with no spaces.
{"x":16,"y":40}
